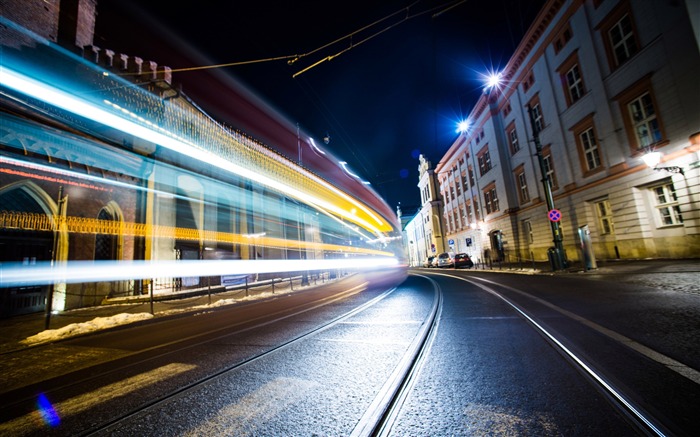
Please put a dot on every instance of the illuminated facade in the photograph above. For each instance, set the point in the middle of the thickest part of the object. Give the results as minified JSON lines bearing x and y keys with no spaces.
{"x":604,"y":83}
{"x":428,"y":226}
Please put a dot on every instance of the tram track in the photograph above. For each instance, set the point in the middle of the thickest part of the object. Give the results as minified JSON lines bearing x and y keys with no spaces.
{"x":637,"y":414}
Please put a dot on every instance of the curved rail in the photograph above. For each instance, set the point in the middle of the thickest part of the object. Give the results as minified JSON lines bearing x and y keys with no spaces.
{"x":643,"y":420}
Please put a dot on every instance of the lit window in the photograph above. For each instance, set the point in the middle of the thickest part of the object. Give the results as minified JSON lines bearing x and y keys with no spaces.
{"x":605,"y":220}
{"x":666,"y":204}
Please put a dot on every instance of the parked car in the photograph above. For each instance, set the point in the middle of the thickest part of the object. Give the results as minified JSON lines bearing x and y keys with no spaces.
{"x":463,"y":260}
{"x":429,"y":261}
{"x":445,"y":259}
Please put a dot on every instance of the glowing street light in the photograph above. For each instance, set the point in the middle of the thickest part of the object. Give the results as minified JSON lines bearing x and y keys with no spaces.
{"x":463,"y":126}
{"x":652,"y":159}
{"x":492,"y":80}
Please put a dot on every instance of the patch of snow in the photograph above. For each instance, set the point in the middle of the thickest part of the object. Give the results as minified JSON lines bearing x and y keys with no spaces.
{"x":84,"y":327}
{"x":99,"y":323}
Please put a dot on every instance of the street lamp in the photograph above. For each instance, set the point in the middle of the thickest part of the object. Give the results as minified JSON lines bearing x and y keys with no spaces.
{"x":652,"y":159}
{"x":493,"y":80}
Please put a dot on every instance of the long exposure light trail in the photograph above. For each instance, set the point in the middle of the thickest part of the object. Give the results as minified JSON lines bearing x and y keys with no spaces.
{"x":58,"y":98}
{"x":68,"y":102}
{"x":18,"y":274}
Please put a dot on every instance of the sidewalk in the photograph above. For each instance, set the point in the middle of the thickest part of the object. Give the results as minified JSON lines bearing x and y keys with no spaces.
{"x":672,"y":275}
{"x":137,"y":308}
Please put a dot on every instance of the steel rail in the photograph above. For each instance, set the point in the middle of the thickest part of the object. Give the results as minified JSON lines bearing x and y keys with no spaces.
{"x":382,"y":413}
{"x":111,"y":425}
{"x":640,"y":418}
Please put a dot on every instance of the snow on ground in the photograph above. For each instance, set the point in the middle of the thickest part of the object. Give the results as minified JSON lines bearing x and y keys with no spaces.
{"x":99,"y":323}
{"x":95,"y":324}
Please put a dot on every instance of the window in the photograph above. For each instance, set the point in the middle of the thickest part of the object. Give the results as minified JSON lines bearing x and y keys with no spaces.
{"x":571,"y":79}
{"x":484,"y":160}
{"x":522,"y":187}
{"x":666,"y":203}
{"x":471,"y":176}
{"x":588,"y":147}
{"x":641,"y":117}
{"x":512,"y":135}
{"x":604,"y":215}
{"x":527,"y":228}
{"x":465,"y":187}
{"x":564,"y":37}
{"x":619,"y":35}
{"x":490,"y":199}
{"x":529,"y":81}
{"x":536,"y":113}
{"x":477,"y":213}
{"x":507,"y":110}
{"x":549,"y":170}
{"x":470,"y":213}
{"x":622,"y":40}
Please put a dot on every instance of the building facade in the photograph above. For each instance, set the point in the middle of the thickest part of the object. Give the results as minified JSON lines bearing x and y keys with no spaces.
{"x":556,"y":151}
{"x":425,"y":232}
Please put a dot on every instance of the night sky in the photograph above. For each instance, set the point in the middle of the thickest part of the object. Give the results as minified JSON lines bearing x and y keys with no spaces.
{"x":397,"y":88}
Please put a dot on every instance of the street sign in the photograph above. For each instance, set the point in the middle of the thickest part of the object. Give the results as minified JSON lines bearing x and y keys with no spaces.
{"x":554,"y":215}
{"x":469,"y":241}
{"x":450,"y":242}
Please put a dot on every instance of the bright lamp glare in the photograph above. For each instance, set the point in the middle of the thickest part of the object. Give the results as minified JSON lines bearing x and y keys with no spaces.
{"x":652,"y":159}
{"x":463,"y":126}
{"x":493,"y":80}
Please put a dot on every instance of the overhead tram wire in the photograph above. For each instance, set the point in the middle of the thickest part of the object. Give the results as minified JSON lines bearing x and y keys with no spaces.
{"x":292,"y":59}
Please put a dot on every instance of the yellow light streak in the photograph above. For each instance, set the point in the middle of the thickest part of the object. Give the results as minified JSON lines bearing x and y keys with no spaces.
{"x":84,"y":225}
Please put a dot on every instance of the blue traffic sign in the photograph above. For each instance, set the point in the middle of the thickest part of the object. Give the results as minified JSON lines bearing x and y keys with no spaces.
{"x":554,"y":215}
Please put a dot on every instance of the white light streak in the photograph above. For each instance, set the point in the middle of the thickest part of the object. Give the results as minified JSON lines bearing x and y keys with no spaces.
{"x":17,"y":274}
{"x":68,"y":102}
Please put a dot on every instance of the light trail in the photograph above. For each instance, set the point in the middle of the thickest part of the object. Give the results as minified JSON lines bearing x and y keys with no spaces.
{"x":148,"y":131}
{"x":19,"y":274}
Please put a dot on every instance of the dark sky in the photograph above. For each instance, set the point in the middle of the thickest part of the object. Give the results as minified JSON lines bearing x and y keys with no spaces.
{"x":396,"y":89}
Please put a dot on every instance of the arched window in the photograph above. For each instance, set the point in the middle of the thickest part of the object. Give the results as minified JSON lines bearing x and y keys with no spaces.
{"x":106,"y":244}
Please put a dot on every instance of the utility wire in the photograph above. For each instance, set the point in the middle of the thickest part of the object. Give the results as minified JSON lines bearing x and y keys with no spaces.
{"x":291,"y":59}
